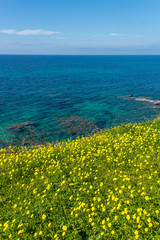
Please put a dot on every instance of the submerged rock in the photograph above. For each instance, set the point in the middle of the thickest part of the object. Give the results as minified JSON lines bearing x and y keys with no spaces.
{"x":157,"y":103}
{"x":20,"y":127}
{"x":155,"y":107}
{"x":130,"y":95}
{"x":76,"y":125}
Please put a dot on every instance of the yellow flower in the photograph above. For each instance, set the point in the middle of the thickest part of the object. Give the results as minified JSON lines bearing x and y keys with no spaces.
{"x":104,"y":227}
{"x":101,"y":184}
{"x":109,"y":225}
{"x":146,"y":198}
{"x":128,"y":217}
{"x":138,"y":219}
{"x":43,"y":216}
{"x":4,"y":229}
{"x":64,"y":228}
{"x":136,"y":232}
{"x":144,"y":211}
{"x":103,"y":221}
{"x":150,"y":224}
{"x":63,"y":234}
{"x":20,"y":225}
{"x":40,"y":233}
{"x":134,"y":216}
{"x":103,"y":209}
{"x":93,"y":208}
{"x":6,"y":224}
{"x":71,"y":197}
{"x":20,"y":231}
{"x":146,"y":229}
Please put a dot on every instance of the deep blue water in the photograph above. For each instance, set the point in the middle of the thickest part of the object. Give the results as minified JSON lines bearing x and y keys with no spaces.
{"x":44,"y":88}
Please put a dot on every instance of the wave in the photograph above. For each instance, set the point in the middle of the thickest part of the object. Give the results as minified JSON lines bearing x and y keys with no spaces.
{"x":145,"y":99}
{"x":141,"y":99}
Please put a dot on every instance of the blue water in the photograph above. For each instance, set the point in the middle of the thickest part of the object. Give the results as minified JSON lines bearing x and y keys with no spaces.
{"x":44,"y":88}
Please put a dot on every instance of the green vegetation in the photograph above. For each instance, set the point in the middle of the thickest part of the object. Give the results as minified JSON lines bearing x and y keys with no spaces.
{"x":104,"y":186}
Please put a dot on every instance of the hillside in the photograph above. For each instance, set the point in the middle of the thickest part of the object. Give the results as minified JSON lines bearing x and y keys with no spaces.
{"x":104,"y":186}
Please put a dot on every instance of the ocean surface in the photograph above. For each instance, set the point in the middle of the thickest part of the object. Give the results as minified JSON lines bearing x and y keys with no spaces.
{"x":65,"y":96}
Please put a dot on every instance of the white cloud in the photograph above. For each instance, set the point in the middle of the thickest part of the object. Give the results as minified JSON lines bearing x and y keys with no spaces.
{"x":28,"y":32}
{"x":113,"y":34}
{"x":116,"y":35}
{"x":8,"y":31}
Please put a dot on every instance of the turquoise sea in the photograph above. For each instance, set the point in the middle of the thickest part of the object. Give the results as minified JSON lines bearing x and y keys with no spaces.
{"x":66,"y":96}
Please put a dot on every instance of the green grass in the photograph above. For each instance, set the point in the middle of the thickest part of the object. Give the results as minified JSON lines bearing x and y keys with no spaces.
{"x":104,"y":186}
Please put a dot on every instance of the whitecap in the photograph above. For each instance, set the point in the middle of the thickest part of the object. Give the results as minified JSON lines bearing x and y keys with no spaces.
{"x":143,"y":99}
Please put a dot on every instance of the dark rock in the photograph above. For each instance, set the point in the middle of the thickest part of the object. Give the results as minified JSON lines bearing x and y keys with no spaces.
{"x":76,"y":125}
{"x":130,"y":95}
{"x":20,"y":127}
{"x":157,"y":103}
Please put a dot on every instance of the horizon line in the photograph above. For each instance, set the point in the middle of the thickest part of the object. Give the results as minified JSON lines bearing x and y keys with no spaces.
{"x":41,"y":54}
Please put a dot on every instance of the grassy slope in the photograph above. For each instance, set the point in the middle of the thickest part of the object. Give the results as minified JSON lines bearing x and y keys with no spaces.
{"x":100,"y":187}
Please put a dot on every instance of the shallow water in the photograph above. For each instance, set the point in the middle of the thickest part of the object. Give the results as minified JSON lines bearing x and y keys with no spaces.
{"x":45,"y":88}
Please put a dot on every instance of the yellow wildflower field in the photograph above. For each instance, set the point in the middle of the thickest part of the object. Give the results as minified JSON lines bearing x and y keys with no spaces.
{"x":105,"y":186}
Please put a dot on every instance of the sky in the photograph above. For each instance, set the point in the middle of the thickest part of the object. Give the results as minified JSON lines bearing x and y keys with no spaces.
{"x":80,"y":27}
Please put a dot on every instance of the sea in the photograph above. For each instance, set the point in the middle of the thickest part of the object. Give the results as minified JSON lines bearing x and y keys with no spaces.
{"x":50,"y":98}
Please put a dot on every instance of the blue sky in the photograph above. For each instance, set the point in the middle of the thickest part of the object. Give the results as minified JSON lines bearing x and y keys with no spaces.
{"x":80,"y":27}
